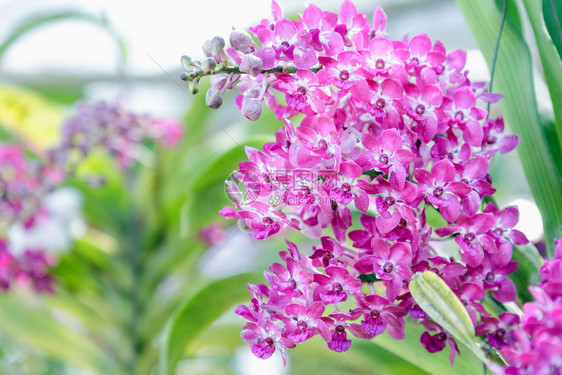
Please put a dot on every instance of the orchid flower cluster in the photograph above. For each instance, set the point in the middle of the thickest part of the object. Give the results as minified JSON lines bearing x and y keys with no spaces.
{"x":388,"y":131}
{"x":25,"y":182}
{"x":533,"y":344}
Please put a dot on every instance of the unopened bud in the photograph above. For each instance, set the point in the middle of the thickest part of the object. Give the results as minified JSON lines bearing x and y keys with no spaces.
{"x":251,"y":106}
{"x":207,"y":48}
{"x":218,"y":81}
{"x":251,"y":64}
{"x":213,"y":98}
{"x":193,"y":87}
{"x":217,"y":44}
{"x":240,"y":41}
{"x":186,"y":62}
{"x":209,"y":64}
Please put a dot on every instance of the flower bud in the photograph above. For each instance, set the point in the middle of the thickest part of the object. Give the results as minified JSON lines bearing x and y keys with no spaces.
{"x":209,"y":64}
{"x":186,"y":62}
{"x":217,"y":49}
{"x":218,"y":81}
{"x":217,"y":44}
{"x":193,"y":87}
{"x":251,"y":106}
{"x":207,"y":48}
{"x":251,"y":64}
{"x":213,"y":99}
{"x":240,"y":41}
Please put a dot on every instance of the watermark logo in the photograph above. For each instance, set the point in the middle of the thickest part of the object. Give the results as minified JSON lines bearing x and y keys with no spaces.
{"x":289,"y":187}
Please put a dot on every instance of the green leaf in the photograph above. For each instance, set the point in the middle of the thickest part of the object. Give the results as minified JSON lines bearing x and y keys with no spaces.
{"x":42,"y":333}
{"x":550,"y":57}
{"x":435,"y":297}
{"x":39,"y":20}
{"x":552,"y":13}
{"x":527,"y":273}
{"x":514,"y":79}
{"x":197,"y":313}
{"x":411,"y":351}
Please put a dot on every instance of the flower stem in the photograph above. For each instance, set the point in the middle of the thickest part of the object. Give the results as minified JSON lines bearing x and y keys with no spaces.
{"x":236,"y":70}
{"x":504,"y":13}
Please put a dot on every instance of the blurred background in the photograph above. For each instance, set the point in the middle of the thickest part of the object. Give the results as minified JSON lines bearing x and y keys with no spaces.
{"x":55,"y":53}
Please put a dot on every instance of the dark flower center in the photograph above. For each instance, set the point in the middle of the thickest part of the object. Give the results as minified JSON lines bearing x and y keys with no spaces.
{"x":340,"y":329}
{"x":490,"y":276}
{"x":267,"y":220}
{"x":285,"y":44}
{"x":292,"y":283}
{"x":459,"y":115}
{"x":498,"y":232}
{"x":389,"y":201}
{"x":302,"y":324}
{"x":269,"y":341}
{"x":380,"y":103}
{"x":334,"y":205}
{"x":379,"y":64}
{"x":344,"y":75}
{"x":375,"y":314}
{"x":500,"y":333}
{"x":388,"y":267}
{"x":337,"y":287}
{"x":420,"y":109}
{"x":383,"y":158}
{"x":346,"y":187}
{"x":266,"y":178}
{"x":301,"y":90}
{"x":438,"y":192}
{"x":491,"y":140}
{"x":414,"y":61}
{"x":441,"y":336}
{"x":469,"y":237}
{"x":322,"y":143}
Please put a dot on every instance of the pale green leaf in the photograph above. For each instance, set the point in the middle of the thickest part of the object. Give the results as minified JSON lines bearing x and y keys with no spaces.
{"x":552,"y":14}
{"x":438,"y":301}
{"x":40,"y":332}
{"x":197,"y":313}
{"x":514,"y":79}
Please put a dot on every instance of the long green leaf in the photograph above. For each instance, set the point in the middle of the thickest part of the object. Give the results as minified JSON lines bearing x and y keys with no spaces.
{"x":550,"y":58}
{"x":38,"y":20}
{"x":199,"y":312}
{"x":552,"y":14}
{"x":435,"y":297}
{"x":40,"y":332}
{"x":411,"y":350}
{"x":514,"y":78}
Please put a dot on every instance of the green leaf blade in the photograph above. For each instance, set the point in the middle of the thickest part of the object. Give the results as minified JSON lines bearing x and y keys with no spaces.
{"x":435,"y":297}
{"x":514,"y":79}
{"x":197,"y":313}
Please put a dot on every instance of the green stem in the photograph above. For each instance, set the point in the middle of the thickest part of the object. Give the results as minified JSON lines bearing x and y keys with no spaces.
{"x":236,"y":70}
{"x":504,"y":13}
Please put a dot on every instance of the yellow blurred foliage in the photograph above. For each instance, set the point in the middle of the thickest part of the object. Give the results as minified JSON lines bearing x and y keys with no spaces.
{"x":30,"y":116}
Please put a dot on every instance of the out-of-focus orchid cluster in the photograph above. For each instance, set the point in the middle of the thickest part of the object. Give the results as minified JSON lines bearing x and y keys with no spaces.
{"x":25,"y":182}
{"x":534,"y":346}
{"x":390,"y":130}
{"x":109,"y":126}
